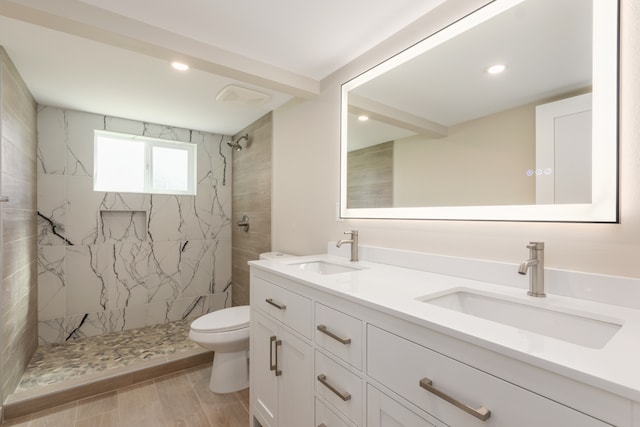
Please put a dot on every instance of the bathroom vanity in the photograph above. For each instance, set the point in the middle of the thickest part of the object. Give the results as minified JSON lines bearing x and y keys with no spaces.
{"x":335,"y":343}
{"x":409,"y":339}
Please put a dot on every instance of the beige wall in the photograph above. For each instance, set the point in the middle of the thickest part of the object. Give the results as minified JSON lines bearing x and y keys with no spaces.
{"x":18,"y":220}
{"x":479,"y":162}
{"x":306,"y":179}
{"x":252,"y":197}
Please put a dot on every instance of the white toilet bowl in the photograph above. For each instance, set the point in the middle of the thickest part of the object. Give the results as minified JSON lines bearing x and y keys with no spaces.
{"x":226,"y":332}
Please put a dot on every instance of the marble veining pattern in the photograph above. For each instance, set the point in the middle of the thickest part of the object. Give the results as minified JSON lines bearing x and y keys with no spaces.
{"x":116,"y":261}
{"x":56,"y":363}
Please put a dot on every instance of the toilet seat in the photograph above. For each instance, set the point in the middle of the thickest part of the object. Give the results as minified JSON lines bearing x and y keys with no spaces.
{"x":225,"y":320}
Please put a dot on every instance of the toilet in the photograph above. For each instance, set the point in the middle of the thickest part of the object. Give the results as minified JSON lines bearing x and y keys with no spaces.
{"x":226,"y":332}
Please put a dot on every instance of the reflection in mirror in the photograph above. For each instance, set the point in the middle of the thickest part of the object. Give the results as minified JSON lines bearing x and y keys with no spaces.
{"x":507,"y":114}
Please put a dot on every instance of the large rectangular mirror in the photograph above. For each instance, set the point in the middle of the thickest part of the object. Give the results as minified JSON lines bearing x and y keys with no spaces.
{"x":509,"y":113}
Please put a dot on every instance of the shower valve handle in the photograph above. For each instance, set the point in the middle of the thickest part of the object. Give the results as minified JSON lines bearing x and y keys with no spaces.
{"x":244,"y":223}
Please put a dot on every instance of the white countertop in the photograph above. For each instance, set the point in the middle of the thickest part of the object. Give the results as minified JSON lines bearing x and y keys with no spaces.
{"x":398,"y":291}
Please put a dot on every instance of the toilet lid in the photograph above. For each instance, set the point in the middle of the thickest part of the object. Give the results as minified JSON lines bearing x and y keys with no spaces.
{"x":228,"y":319}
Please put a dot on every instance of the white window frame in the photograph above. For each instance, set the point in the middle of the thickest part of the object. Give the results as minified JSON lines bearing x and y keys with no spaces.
{"x":149,"y":143}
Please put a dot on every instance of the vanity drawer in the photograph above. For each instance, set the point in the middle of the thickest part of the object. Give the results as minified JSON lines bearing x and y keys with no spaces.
{"x":381,"y":408}
{"x":325,"y":417}
{"x":288,"y":307}
{"x":339,"y":387}
{"x":405,"y":367}
{"x":340,"y":334}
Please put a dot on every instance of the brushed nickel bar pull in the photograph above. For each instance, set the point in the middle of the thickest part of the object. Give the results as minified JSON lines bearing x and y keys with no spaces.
{"x":272,"y":366}
{"x":481,"y":413}
{"x":4,"y":199}
{"x":322,"y":425}
{"x":324,"y":330}
{"x":275,"y":304}
{"x":341,"y":394}
{"x":278,"y":371}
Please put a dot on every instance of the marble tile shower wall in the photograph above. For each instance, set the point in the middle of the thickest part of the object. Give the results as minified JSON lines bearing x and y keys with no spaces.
{"x":115,"y":261}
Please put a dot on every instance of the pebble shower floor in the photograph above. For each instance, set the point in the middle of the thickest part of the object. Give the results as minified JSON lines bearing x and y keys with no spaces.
{"x":56,"y":363}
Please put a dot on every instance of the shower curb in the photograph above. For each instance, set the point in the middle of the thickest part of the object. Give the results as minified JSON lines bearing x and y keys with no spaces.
{"x":46,"y":397}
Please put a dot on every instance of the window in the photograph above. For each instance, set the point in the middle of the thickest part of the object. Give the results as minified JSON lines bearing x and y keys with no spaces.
{"x":137,"y":164}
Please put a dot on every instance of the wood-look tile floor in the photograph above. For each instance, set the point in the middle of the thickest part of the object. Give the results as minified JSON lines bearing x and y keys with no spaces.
{"x":179,"y":399}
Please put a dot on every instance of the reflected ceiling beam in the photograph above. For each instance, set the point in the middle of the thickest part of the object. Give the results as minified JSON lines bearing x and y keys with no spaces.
{"x":383,"y":113}
{"x":89,"y":22}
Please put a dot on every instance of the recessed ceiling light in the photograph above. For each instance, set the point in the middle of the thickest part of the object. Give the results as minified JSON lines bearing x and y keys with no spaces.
{"x":496,"y":69}
{"x":179,"y":66}
{"x":363,"y":118}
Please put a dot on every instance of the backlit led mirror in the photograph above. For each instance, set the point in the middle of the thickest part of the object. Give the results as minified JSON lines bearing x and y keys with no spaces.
{"x":509,"y":113}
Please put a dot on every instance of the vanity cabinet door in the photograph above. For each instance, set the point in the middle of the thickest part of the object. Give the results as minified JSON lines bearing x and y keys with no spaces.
{"x":383,"y":411}
{"x":281,"y":374}
{"x":459,"y":394}
{"x":295,"y":388}
{"x":264,"y":384}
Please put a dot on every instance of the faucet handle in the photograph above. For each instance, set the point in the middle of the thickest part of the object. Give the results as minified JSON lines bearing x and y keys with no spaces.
{"x":536,"y":246}
{"x":352,"y":233}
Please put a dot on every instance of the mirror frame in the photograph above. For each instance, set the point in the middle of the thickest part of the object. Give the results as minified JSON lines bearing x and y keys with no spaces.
{"x":604,"y":206}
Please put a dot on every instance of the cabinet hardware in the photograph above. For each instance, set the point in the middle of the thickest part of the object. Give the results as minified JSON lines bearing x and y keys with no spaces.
{"x":324,"y":330}
{"x":272,"y":339}
{"x":341,"y":394}
{"x":274,"y":366}
{"x":4,"y":199}
{"x":278,"y":371}
{"x":275,"y":304}
{"x":481,"y":413}
{"x":322,"y":425}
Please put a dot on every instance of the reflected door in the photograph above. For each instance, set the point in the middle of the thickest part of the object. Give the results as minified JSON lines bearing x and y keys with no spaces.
{"x":563,"y":151}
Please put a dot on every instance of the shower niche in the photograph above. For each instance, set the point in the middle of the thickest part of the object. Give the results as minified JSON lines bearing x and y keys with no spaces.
{"x":123,"y":225}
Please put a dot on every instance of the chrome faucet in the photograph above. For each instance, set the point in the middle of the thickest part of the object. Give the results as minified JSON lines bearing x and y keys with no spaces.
{"x":536,"y":263}
{"x":354,"y":244}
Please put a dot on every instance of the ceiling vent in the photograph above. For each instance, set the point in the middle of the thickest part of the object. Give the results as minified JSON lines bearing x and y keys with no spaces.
{"x":242,"y":96}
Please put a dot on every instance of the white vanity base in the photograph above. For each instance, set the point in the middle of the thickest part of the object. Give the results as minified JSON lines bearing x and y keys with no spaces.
{"x":360,"y":346}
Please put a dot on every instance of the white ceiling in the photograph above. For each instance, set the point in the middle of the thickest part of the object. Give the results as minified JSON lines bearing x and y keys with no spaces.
{"x":448,"y":85}
{"x":113,"y":57}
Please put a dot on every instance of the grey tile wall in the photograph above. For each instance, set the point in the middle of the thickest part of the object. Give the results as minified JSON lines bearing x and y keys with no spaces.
{"x":18,"y":296}
{"x":252,"y":197}
{"x":370,"y":177}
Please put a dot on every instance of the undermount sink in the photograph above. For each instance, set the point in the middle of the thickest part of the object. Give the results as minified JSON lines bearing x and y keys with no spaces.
{"x":325,"y":267}
{"x":573,"y":328}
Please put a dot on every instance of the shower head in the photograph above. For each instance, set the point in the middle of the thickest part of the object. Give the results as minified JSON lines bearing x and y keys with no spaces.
{"x":236,"y":144}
